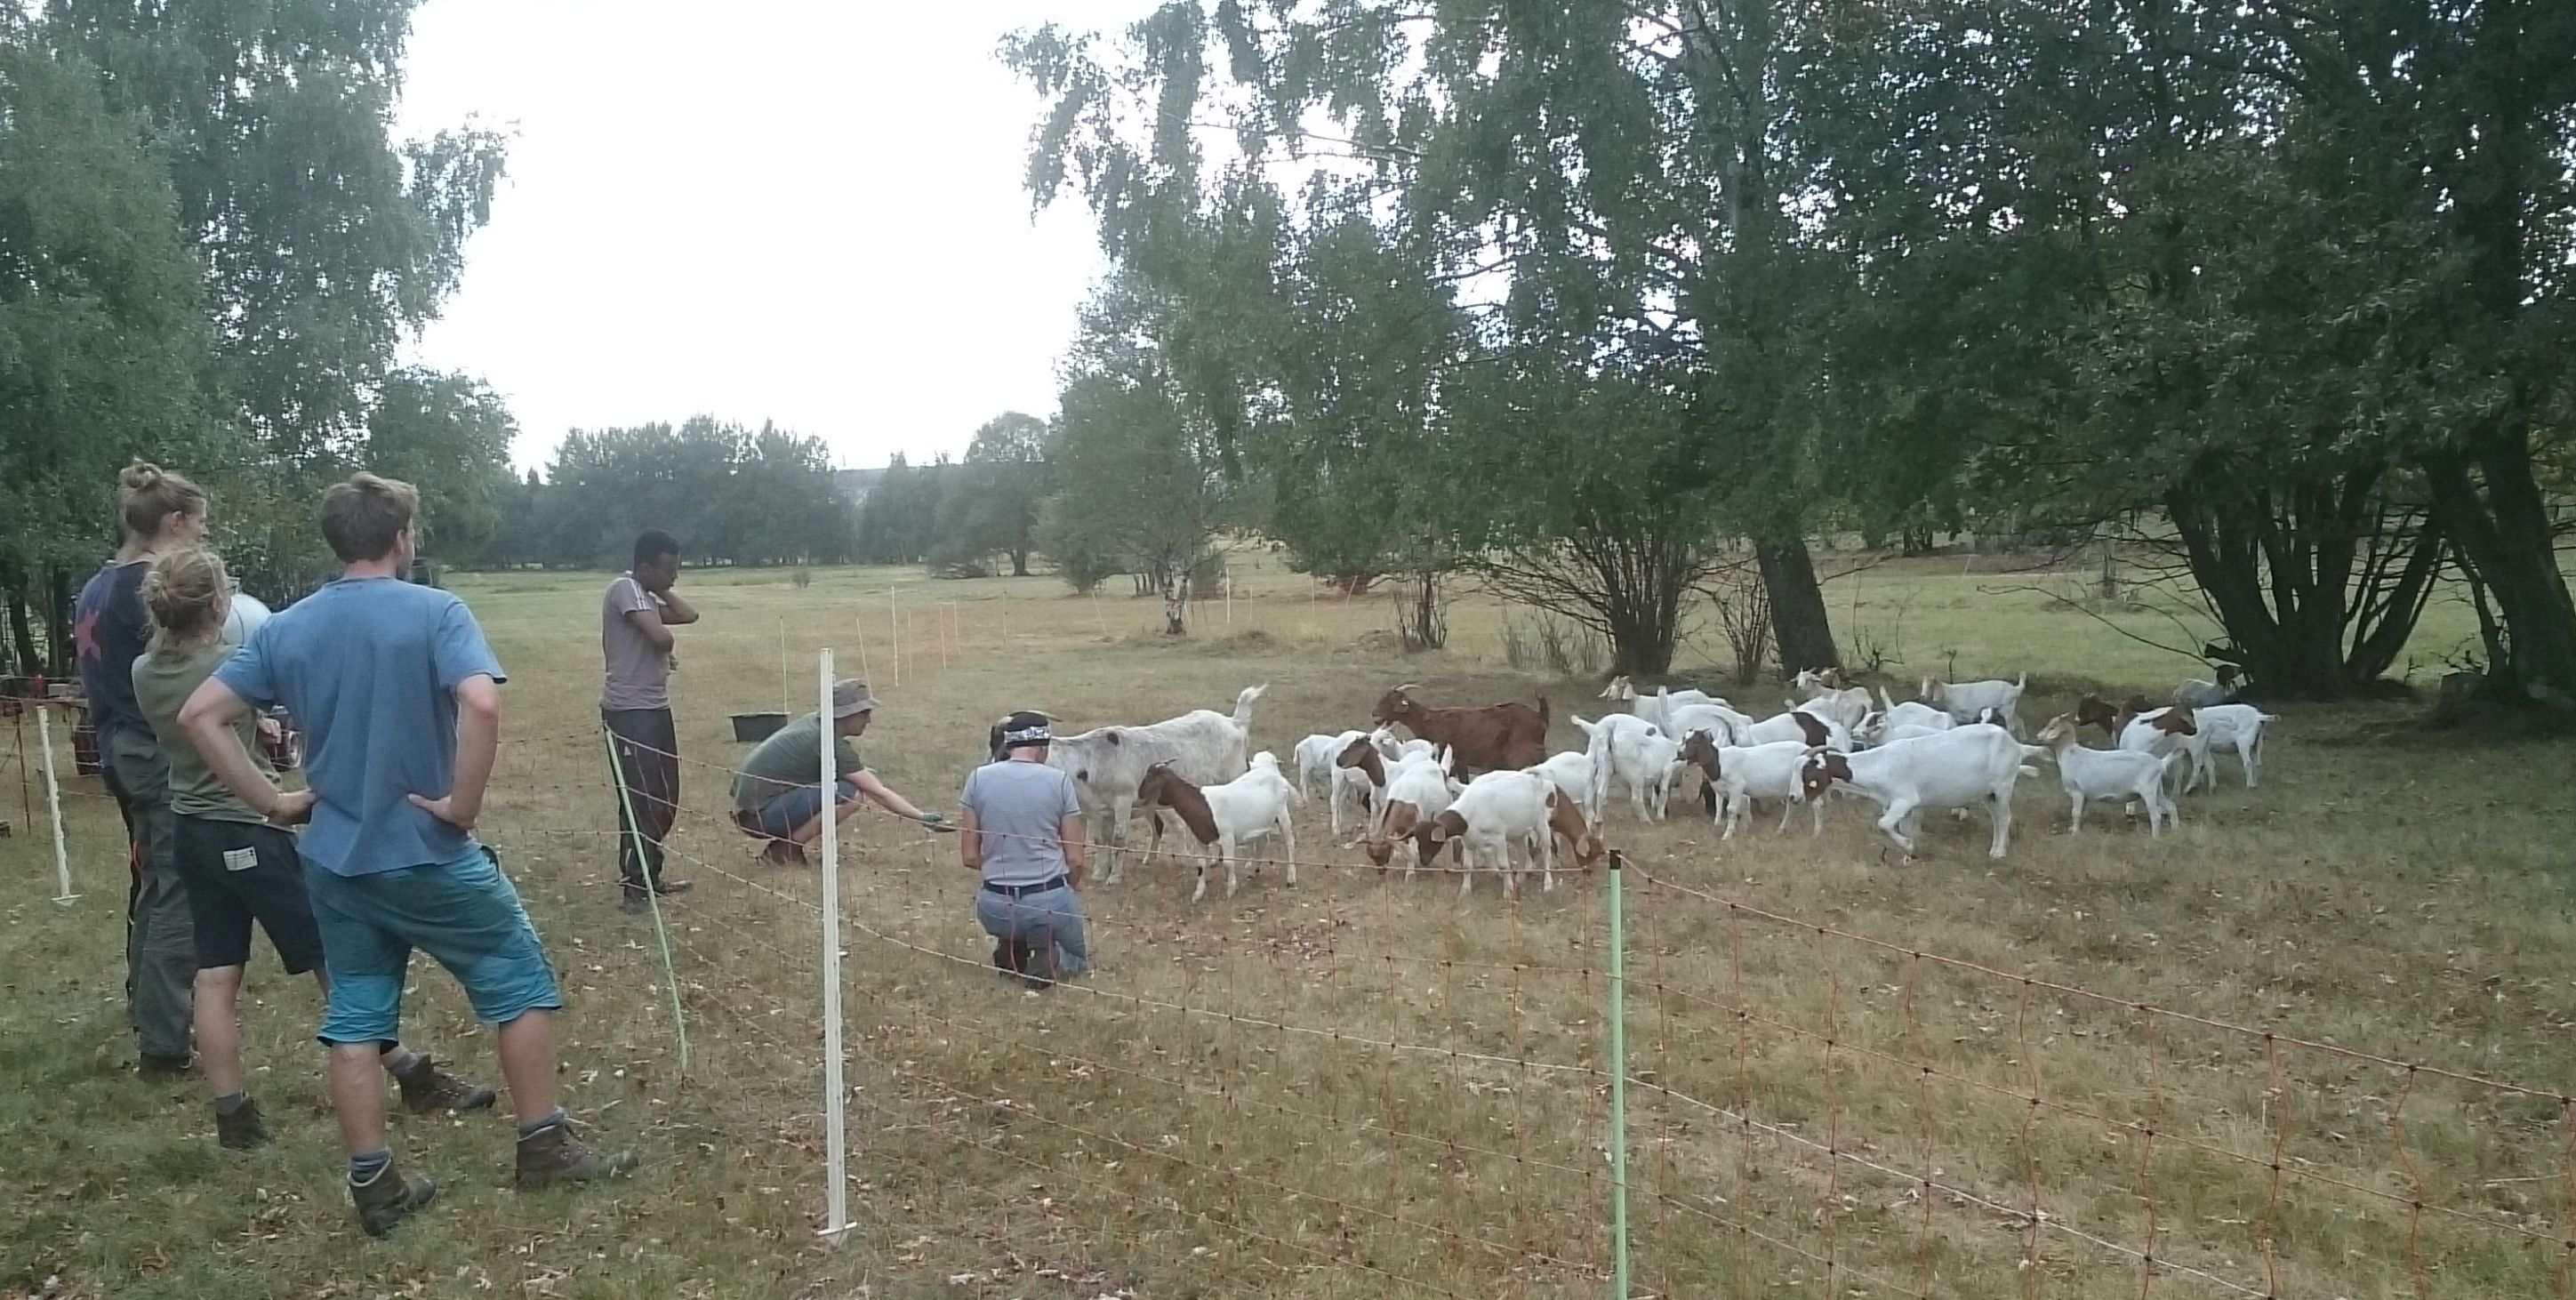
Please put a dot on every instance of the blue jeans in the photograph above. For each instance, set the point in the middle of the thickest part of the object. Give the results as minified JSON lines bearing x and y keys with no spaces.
{"x":789,"y":809}
{"x":1052,"y":920}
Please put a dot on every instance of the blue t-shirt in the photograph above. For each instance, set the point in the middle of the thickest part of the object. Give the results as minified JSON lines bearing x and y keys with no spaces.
{"x":109,"y":630}
{"x":369,"y":667}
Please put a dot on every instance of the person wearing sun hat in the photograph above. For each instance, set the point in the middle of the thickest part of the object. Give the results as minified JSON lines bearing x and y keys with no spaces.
{"x":778,"y":796}
{"x":1020,"y":831}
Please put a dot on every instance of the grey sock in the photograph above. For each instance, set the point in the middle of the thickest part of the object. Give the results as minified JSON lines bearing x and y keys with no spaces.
{"x":400,"y":1063}
{"x":530,"y":1130}
{"x":231,"y":1103}
{"x":365,"y":1169}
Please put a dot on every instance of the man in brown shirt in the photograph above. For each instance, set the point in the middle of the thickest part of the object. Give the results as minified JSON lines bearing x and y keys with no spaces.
{"x":635,"y":703}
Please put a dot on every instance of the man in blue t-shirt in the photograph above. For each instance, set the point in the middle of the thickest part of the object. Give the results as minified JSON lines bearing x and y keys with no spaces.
{"x":400,"y":702}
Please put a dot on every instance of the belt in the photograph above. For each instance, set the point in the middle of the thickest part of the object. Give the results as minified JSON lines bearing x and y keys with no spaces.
{"x":1023,"y":891}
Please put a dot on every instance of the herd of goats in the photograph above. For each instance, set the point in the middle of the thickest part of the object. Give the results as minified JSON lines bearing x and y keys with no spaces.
{"x":1482,"y":779}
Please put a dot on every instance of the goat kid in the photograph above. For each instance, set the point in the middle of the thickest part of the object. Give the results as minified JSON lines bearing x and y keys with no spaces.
{"x":1963,"y":701}
{"x":2087,"y":775}
{"x":1500,"y":819}
{"x":2233,"y":729}
{"x":1736,"y":776}
{"x":1224,"y":818}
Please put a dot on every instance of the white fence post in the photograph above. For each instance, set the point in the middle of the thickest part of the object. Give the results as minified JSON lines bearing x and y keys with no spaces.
{"x":54,"y":805}
{"x":835,"y":1101}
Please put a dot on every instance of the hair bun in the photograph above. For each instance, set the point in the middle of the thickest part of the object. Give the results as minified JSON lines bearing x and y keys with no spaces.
{"x":140,"y":476}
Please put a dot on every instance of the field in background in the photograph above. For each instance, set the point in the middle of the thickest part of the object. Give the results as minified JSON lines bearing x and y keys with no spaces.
{"x":1366,"y":1087}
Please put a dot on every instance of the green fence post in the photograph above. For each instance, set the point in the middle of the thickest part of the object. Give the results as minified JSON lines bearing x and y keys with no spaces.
{"x":1618,"y":1086}
{"x":670,"y":973}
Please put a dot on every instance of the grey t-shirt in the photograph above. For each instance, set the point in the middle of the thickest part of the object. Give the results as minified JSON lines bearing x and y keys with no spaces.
{"x":639,"y":675}
{"x":1020,"y":809}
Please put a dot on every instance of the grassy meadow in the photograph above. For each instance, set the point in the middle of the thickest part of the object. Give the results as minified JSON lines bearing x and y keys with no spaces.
{"x":1367,"y":1087}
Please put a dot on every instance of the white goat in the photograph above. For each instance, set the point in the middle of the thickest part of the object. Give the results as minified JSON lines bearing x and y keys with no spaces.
{"x":1575,"y":775}
{"x":1203,"y":746}
{"x":1959,"y":768}
{"x":1806,"y":728}
{"x":2229,"y":728}
{"x":1624,"y":748}
{"x":1845,"y":708}
{"x":1963,"y":701}
{"x":2090,"y":774}
{"x":1738,"y":775}
{"x":1911,"y":713}
{"x":1658,"y":707}
{"x":1315,"y":755}
{"x":1720,"y":720}
{"x":1224,"y":818}
{"x":1501,"y":815}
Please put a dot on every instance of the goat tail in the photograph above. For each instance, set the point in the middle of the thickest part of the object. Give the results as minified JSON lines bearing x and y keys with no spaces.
{"x":2027,"y":770}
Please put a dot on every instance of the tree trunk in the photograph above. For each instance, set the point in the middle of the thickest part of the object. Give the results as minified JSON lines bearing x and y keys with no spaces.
{"x":1020,"y":562}
{"x":2507,"y":537}
{"x":1176,"y":605}
{"x":1798,"y":620}
{"x":59,"y":662}
{"x":23,"y":631}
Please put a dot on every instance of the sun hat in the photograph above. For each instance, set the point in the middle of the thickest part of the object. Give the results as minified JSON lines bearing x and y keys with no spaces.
{"x":850,"y":695}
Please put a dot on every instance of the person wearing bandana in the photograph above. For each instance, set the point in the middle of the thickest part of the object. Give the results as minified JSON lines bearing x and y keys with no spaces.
{"x":1022,"y":834}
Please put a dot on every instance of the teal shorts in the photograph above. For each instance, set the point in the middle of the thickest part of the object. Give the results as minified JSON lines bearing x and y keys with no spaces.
{"x":463,"y":913}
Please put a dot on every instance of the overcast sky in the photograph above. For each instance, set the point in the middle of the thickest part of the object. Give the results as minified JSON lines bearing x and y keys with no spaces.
{"x":805,"y":212}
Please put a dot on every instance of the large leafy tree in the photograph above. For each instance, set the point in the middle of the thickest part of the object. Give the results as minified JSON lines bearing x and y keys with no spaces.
{"x":1140,"y":485}
{"x":450,"y":435}
{"x":730,"y":494}
{"x":102,"y":326}
{"x":1621,"y":172}
{"x":323,"y":239}
{"x":993,"y":505}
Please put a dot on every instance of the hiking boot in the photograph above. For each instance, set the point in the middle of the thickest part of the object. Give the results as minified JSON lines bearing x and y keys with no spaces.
{"x":554,"y":1155}
{"x":390,"y":1199}
{"x":428,"y":1088}
{"x":163,"y":1069}
{"x":241,"y":1130}
{"x":783,"y":853}
{"x":637,"y":899}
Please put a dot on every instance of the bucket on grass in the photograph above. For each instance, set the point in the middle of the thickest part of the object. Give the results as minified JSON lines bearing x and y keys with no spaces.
{"x":752,"y":728}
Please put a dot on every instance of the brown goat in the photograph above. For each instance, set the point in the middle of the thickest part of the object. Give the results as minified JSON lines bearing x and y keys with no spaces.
{"x":1699,"y":750}
{"x":1165,"y":788}
{"x":1566,"y":821}
{"x":1490,"y":739}
{"x":1362,"y":754}
{"x":1403,"y":821}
